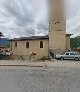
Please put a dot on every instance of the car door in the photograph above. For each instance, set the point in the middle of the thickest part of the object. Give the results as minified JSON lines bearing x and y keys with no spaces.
{"x":72,"y":55}
{"x":66,"y":56}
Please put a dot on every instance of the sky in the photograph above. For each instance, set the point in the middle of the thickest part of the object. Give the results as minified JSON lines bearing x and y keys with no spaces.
{"x":21,"y":18}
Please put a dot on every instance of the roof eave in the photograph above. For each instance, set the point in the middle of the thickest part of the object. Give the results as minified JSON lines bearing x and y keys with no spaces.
{"x":69,"y":35}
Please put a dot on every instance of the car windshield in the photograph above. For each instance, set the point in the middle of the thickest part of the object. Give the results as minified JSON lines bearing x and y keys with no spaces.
{"x":72,"y":53}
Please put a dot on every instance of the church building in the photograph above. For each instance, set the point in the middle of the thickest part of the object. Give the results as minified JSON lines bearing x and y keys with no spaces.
{"x":56,"y":41}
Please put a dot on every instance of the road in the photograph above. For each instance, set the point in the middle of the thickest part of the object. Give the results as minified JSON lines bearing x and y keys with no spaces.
{"x":39,"y":79}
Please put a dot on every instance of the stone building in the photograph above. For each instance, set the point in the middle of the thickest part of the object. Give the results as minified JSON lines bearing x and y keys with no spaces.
{"x":56,"y":41}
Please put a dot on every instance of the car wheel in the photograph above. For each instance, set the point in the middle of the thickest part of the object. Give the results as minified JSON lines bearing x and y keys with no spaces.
{"x":62,"y":58}
{"x":76,"y":59}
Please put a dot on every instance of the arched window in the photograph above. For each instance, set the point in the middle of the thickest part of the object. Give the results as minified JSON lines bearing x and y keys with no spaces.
{"x":41,"y":44}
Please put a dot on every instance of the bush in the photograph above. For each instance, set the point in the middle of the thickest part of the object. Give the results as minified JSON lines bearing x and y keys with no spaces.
{"x":45,"y":58}
{"x":1,"y":57}
{"x":21,"y":58}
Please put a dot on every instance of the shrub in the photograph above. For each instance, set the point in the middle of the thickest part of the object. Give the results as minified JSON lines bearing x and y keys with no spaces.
{"x":45,"y":58}
{"x":21,"y":58}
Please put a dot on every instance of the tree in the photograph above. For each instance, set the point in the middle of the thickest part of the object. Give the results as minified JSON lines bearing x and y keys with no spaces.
{"x":75,"y":42}
{"x":1,"y":34}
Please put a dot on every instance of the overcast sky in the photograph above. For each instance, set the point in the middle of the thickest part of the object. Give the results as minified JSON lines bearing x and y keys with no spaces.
{"x":20,"y":18}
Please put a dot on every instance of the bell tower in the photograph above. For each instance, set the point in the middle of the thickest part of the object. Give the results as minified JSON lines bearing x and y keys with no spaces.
{"x":57,"y":25}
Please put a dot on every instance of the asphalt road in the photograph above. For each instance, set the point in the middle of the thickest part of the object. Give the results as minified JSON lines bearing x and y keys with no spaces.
{"x":39,"y":79}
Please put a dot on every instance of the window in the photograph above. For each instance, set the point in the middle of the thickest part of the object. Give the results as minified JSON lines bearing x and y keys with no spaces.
{"x":67,"y":53}
{"x":15,"y":44}
{"x":41,"y":44}
{"x":27,"y":44}
{"x":58,"y":26}
{"x":58,"y":22}
{"x":72,"y":54}
{"x":77,"y":53}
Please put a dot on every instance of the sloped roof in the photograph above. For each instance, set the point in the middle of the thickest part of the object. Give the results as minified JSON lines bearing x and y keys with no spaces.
{"x":30,"y":38}
{"x":69,"y":35}
{"x":33,"y":38}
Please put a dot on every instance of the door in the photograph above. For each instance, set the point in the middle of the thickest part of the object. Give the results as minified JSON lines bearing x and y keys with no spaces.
{"x":72,"y":55}
{"x":66,"y":56}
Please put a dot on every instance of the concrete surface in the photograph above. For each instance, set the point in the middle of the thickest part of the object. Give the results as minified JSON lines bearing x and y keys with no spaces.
{"x":39,"y":79}
{"x":56,"y":63}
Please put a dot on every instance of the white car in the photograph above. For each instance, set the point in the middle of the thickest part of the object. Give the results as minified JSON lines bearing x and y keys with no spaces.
{"x":6,"y":52}
{"x":69,"y":55}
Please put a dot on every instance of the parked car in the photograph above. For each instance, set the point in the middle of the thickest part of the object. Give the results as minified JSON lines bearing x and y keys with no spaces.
{"x":6,"y":52}
{"x":69,"y":55}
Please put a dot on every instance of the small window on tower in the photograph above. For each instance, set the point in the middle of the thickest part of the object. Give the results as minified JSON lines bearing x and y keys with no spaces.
{"x":49,"y":24}
{"x":58,"y":22}
{"x":58,"y":26}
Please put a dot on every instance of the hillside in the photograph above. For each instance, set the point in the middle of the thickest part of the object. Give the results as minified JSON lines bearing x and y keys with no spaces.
{"x":4,"y":41}
{"x":75,"y":42}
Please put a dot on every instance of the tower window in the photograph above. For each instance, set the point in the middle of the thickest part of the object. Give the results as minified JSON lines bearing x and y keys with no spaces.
{"x":58,"y":26}
{"x":58,"y":30}
{"x":27,"y":44}
{"x":41,"y":44}
{"x":49,"y":24}
{"x":15,"y":44}
{"x":58,"y":22}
